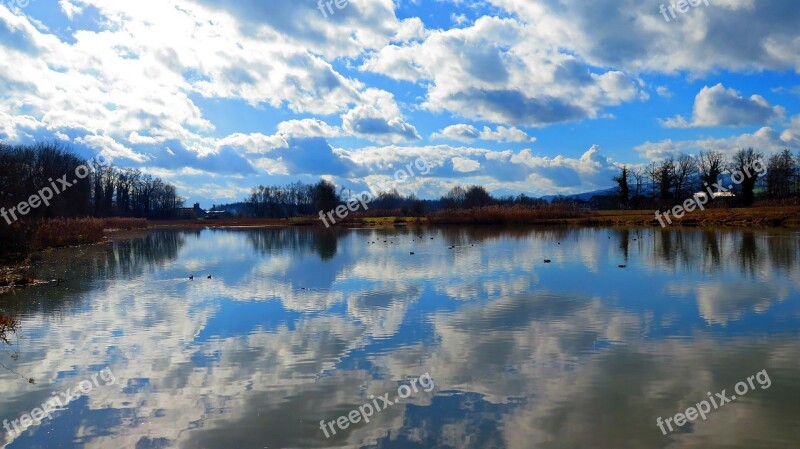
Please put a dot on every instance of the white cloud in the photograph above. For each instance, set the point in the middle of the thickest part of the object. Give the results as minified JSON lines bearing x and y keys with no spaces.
{"x":468,"y":133}
{"x":308,"y":128}
{"x":504,"y":134}
{"x":631,"y":35}
{"x":69,"y":8}
{"x":499,"y":70}
{"x":110,"y":148}
{"x":254,"y":143}
{"x":663,"y":91}
{"x":766,"y":139}
{"x":717,"y":106}
{"x":462,"y":165}
{"x":461,"y":132}
{"x":379,"y":119}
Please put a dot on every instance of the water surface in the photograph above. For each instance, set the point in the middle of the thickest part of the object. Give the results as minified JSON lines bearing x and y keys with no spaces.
{"x":296,"y":326}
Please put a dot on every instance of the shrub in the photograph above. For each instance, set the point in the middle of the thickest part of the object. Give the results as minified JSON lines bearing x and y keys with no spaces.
{"x":66,"y":232}
{"x":517,"y":214}
{"x":124,"y":223}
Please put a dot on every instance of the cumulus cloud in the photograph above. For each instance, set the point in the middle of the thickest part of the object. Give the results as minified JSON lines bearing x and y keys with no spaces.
{"x":110,"y":148}
{"x":498,"y":170}
{"x":146,"y":83}
{"x":717,"y":106}
{"x":663,"y":91}
{"x":380,"y":119}
{"x":468,"y":133}
{"x":737,"y":35}
{"x":308,"y":128}
{"x":362,"y":25}
{"x":463,"y":165}
{"x":70,"y":9}
{"x":254,"y":143}
{"x":766,"y":139}
{"x":492,"y":71}
{"x":460,"y":132}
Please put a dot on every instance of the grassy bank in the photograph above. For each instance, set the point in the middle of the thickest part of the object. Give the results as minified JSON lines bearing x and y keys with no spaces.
{"x":521,"y":215}
{"x":734,"y":217}
{"x":19,"y":241}
{"x":508,"y":215}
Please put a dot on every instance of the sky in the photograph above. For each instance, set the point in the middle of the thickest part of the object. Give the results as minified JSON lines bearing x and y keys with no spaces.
{"x":521,"y":96}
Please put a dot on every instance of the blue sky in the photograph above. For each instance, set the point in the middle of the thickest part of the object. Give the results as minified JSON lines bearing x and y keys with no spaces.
{"x":534,"y":96}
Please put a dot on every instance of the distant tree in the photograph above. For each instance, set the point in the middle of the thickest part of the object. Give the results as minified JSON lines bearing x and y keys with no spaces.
{"x":455,"y":199}
{"x":417,"y":208}
{"x":652,"y":175}
{"x":710,"y":164}
{"x":623,"y":188}
{"x":780,"y":175}
{"x":638,"y":179}
{"x":324,"y":196}
{"x":744,"y":161}
{"x":477,"y":196}
{"x":25,"y":169}
{"x":685,"y":172}
{"x":665,"y":172}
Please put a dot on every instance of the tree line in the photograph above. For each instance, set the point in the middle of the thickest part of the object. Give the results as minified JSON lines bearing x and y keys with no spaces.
{"x":107,"y":191}
{"x":300,"y":199}
{"x":674,"y":179}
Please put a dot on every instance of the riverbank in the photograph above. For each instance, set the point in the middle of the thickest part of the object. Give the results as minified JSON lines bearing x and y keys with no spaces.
{"x":762,"y":217}
{"x":23,"y":241}
{"x":61,"y":233}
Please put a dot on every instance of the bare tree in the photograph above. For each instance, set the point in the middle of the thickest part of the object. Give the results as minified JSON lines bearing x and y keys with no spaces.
{"x":456,"y":198}
{"x":623,"y":187}
{"x":780,"y":175}
{"x":638,"y":183}
{"x":685,"y":170}
{"x":745,"y":161}
{"x":477,"y":196}
{"x":665,"y":172}
{"x":710,"y":163}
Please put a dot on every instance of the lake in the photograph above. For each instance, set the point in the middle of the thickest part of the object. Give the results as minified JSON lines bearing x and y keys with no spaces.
{"x":492,"y":347}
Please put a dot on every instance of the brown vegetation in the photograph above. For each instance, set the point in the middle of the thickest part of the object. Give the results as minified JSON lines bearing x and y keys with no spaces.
{"x":23,"y":238}
{"x":114,"y":223}
{"x":509,"y":215}
{"x":717,"y":217}
{"x":67,"y":232}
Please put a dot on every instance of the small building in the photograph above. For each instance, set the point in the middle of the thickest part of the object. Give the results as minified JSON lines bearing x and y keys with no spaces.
{"x":715,"y":195}
{"x":186,"y":213}
{"x":213,"y":214}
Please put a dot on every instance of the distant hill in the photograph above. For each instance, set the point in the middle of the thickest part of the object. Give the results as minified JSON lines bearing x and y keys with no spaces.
{"x":586,"y":196}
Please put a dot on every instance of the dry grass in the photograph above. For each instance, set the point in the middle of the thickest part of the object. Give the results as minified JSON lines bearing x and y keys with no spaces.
{"x":235,"y":222}
{"x":124,"y":223}
{"x":718,"y":217}
{"x":505,"y":215}
{"x":66,"y":232}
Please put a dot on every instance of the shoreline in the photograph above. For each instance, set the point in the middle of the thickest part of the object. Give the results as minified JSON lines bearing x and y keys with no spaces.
{"x":761,"y":217}
{"x":15,"y":274}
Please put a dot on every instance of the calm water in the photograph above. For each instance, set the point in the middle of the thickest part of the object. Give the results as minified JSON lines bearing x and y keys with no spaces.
{"x":297,"y":326}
